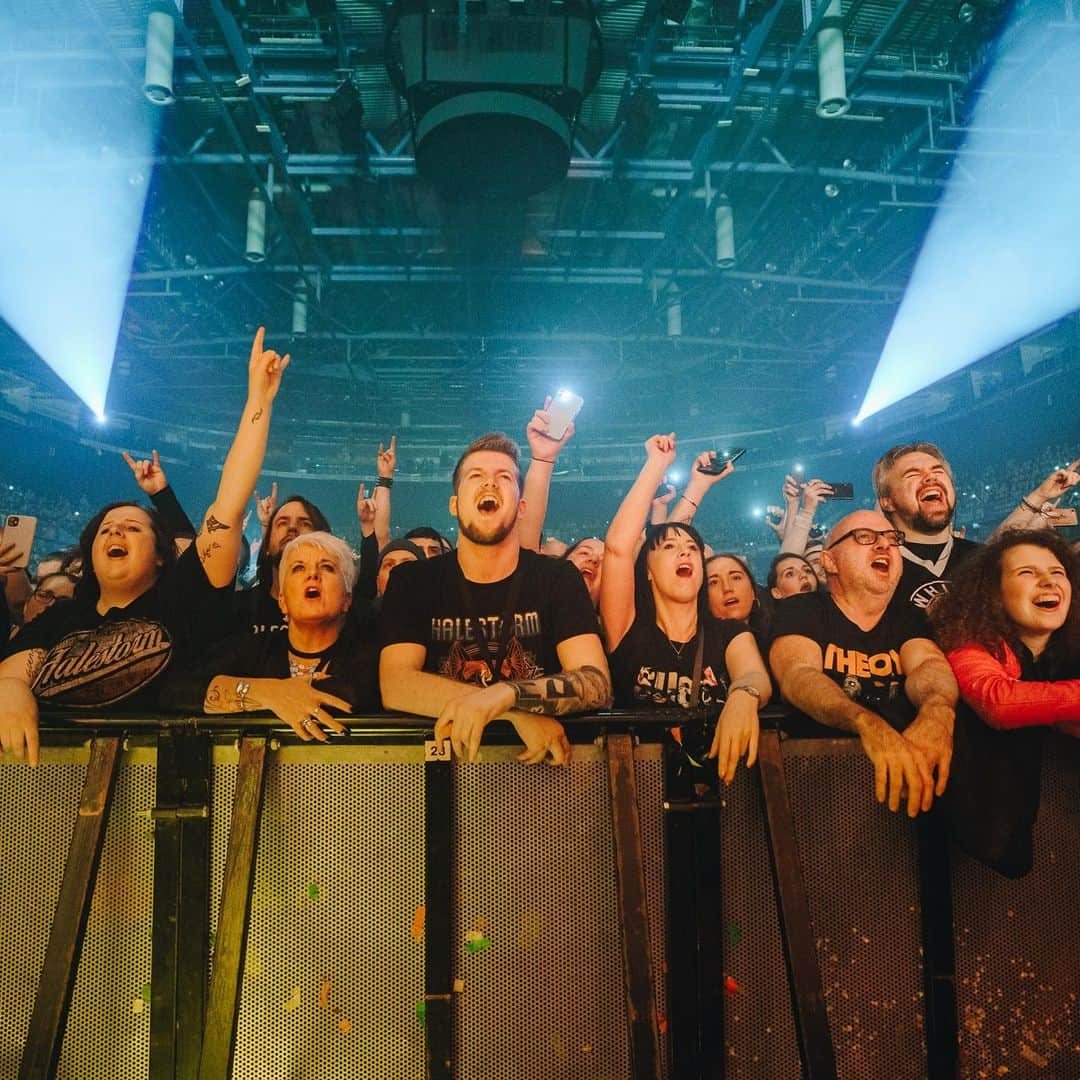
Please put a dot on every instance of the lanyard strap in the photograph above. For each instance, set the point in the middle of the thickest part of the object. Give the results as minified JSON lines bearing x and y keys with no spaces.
{"x":699,"y":660}
{"x":506,"y":626}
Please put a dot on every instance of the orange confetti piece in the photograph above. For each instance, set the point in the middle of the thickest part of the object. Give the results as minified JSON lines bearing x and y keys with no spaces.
{"x":344,"y":1026}
{"x":324,"y":994}
{"x":661,"y":1021}
{"x":419,"y":915}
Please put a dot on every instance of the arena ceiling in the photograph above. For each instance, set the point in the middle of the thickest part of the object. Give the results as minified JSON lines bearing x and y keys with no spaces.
{"x":448,"y":317}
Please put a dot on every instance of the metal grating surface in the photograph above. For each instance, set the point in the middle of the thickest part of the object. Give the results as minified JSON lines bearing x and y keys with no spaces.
{"x":38,"y":809}
{"x":108,"y":1027}
{"x":759,"y":1031}
{"x":858,"y":862}
{"x":545,"y":999}
{"x":1018,"y":946}
{"x":339,"y":874}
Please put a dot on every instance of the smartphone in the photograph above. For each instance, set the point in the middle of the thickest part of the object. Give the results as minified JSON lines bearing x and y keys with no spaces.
{"x":564,"y":406}
{"x":720,"y":460}
{"x":19,"y":530}
{"x":1063,"y":518}
{"x":841,"y":491}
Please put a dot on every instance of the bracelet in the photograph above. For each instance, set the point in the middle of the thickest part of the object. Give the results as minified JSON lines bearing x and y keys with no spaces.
{"x":691,"y":502}
{"x":753,"y":691}
{"x":545,"y":460}
{"x":1041,"y":511}
{"x":243,"y":687}
{"x":384,"y":481}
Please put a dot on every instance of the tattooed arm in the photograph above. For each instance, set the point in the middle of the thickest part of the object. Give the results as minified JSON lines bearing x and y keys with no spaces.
{"x":583,"y":685}
{"x":18,"y":707}
{"x":218,"y":542}
{"x":292,"y":700}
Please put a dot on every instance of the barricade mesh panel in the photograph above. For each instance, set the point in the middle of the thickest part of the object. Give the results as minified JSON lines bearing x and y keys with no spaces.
{"x":536,"y":878}
{"x":108,"y":1027}
{"x":1018,"y":946}
{"x":37,"y":810}
{"x":339,"y":874}
{"x":859,"y":864}
{"x":759,"y":1032}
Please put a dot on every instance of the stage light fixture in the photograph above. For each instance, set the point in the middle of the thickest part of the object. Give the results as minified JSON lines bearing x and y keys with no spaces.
{"x":724,"y":218}
{"x":299,"y":308}
{"x":255,"y":248}
{"x":674,"y":313}
{"x":160,"y":36}
{"x":833,"y":100}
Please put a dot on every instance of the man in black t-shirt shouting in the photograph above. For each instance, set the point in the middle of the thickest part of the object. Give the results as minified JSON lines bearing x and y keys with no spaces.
{"x":848,"y":660}
{"x":492,"y":630}
{"x":915,"y":491}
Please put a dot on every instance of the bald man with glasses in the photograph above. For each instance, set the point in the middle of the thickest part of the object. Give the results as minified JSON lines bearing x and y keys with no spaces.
{"x":848,"y":661}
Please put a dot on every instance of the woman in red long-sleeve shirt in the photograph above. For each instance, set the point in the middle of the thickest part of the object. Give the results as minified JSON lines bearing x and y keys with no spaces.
{"x":1012,"y":632}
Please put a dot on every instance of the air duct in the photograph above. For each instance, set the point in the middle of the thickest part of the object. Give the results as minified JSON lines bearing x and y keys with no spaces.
{"x":255,"y":248}
{"x":494,"y":95}
{"x":832,"y":79}
{"x":299,"y":308}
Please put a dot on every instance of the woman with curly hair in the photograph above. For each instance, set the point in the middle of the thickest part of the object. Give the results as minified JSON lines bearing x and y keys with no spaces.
{"x":1012,"y":632}
{"x":1012,"y":635}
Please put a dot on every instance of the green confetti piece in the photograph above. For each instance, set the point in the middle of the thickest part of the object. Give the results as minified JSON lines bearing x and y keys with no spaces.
{"x":477,"y":945}
{"x":313,"y":891}
{"x":734,"y":934}
{"x":144,"y":993}
{"x":421,"y":1011}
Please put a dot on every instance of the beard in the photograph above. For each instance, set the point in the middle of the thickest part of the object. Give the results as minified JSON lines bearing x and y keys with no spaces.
{"x":489,"y":536}
{"x":922,"y":522}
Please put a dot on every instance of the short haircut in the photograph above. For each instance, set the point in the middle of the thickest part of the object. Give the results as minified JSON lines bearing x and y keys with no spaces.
{"x":495,"y":442}
{"x":884,"y":464}
{"x":340,"y":553}
{"x":427,"y":532}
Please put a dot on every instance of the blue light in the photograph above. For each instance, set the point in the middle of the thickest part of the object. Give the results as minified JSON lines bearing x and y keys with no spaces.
{"x":999,"y":260}
{"x":71,"y":206}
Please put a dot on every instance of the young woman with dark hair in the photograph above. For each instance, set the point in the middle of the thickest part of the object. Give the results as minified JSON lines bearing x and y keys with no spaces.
{"x":666,"y":649}
{"x":587,"y":555}
{"x":138,"y":608}
{"x":1012,"y":632}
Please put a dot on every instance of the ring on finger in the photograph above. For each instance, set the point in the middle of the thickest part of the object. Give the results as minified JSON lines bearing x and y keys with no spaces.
{"x":306,"y":723}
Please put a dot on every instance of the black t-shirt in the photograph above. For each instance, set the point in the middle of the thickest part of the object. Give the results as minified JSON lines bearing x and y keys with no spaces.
{"x":865,"y":664}
{"x":920,"y":584}
{"x":423,"y":604}
{"x":96,"y":660}
{"x":648,"y":671}
{"x":348,"y":669}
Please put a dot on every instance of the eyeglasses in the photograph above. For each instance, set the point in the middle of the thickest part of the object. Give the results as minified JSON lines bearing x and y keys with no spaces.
{"x":46,"y":596}
{"x":866,"y":537}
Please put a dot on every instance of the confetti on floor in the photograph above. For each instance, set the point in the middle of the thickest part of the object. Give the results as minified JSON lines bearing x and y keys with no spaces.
{"x":418,"y":918}
{"x":313,"y":891}
{"x":324,"y":994}
{"x":292,"y":1003}
{"x":731,"y":985}
{"x":344,"y":1026}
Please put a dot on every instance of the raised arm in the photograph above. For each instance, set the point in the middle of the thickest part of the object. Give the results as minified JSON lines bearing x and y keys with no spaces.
{"x":797,"y":530}
{"x":386,"y":466}
{"x":1035,"y":510}
{"x":620,"y":544}
{"x":797,"y":663}
{"x":218,"y":541}
{"x":544,"y":453}
{"x":150,"y":476}
{"x":697,"y":487}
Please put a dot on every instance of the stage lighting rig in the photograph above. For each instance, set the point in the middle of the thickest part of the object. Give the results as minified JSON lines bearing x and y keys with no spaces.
{"x":493,"y":89}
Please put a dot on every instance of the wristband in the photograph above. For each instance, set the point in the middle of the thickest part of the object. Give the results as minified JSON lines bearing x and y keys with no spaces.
{"x":172,"y":513}
{"x":546,"y":460}
{"x":1041,"y":511}
{"x":753,"y":691}
{"x":691,"y":502}
{"x":384,"y":481}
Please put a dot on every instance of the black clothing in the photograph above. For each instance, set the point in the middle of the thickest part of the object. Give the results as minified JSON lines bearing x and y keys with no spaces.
{"x":99,"y":660}
{"x":994,"y":789}
{"x":348,"y":669}
{"x":423,"y":604}
{"x":920,"y":584}
{"x":864,"y":663}
{"x":648,"y":671}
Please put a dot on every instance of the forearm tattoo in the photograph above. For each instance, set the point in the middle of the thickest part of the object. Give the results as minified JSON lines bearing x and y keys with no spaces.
{"x":34,"y":659}
{"x":581,"y":690}
{"x":212,"y":524}
{"x":227,"y":700}
{"x":257,"y":417}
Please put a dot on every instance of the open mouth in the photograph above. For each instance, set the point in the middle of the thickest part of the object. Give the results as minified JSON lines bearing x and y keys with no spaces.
{"x":488,"y":504}
{"x":1048,"y":603}
{"x":806,"y":586}
{"x":116,"y":551}
{"x":881,"y":562}
{"x":731,"y":601}
{"x":684,"y":570}
{"x":312,"y":592}
{"x":588,"y":573}
{"x":932,"y":495}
